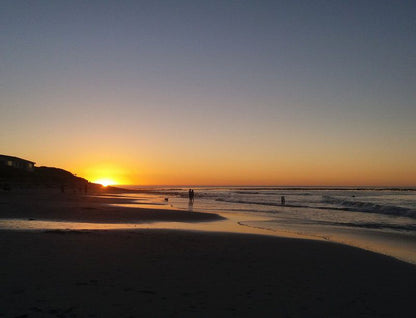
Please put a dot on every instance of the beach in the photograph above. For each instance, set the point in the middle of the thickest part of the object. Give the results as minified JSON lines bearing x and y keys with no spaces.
{"x":177,"y":273}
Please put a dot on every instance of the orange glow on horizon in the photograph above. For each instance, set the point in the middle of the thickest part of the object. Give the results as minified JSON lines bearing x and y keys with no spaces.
{"x":292,"y":174}
{"x":105,"y":182}
{"x":288,"y":169}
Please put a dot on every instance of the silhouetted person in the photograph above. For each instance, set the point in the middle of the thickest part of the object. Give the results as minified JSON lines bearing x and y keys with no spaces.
{"x":191,"y":195}
{"x":283,"y":200}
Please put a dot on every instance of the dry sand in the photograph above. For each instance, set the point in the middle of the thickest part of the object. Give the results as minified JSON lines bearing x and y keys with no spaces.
{"x":166,"y":273}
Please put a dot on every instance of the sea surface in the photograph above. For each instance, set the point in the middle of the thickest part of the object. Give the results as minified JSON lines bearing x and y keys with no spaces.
{"x":376,"y":208}
{"x":378,"y":219}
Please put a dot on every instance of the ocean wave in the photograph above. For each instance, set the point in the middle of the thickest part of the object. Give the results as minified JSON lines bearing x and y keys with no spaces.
{"x":359,"y":206}
{"x":245,"y":201}
{"x":230,"y":200}
{"x":246,"y":192}
{"x":338,"y":205}
{"x":380,"y":226}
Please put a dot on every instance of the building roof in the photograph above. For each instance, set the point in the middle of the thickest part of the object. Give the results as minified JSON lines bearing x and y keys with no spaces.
{"x":4,"y":157}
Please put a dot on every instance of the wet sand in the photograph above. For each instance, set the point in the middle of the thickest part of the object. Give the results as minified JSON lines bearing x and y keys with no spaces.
{"x":172,"y":273}
{"x":55,"y":206}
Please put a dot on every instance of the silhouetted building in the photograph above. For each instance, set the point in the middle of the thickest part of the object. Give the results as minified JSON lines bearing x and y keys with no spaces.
{"x":15,"y":162}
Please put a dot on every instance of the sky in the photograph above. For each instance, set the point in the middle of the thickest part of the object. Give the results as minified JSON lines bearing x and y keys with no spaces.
{"x":212,"y":92}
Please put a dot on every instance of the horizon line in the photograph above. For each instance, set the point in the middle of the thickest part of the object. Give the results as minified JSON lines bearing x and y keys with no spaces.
{"x":269,"y":186}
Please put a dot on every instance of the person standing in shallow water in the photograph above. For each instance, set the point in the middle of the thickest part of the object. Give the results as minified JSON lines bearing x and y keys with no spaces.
{"x":282,"y":200}
{"x":191,"y":195}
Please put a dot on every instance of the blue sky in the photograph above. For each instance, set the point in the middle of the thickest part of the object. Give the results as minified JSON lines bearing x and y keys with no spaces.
{"x":246,"y":87}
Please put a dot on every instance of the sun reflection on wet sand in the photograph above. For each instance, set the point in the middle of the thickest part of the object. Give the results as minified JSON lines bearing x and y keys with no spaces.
{"x":237,"y":223}
{"x":232,"y":223}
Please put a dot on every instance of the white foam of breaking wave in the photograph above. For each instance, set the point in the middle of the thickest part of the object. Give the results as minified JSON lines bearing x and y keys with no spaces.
{"x":352,"y":205}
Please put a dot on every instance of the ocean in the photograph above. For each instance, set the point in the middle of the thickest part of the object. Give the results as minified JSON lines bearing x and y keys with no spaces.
{"x":379,"y":208}
{"x":378,"y":219}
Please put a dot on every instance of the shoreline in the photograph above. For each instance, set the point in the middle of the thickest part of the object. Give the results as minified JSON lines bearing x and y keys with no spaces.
{"x":48,"y":209}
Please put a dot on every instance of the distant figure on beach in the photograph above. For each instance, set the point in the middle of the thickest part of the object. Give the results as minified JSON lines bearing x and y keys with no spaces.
{"x":191,"y":195}
{"x":283,"y":200}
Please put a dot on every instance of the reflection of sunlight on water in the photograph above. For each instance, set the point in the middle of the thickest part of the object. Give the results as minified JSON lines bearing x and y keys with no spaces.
{"x":231,"y":224}
{"x":190,"y":206}
{"x":143,"y":205}
{"x":16,"y":224}
{"x":145,"y":202}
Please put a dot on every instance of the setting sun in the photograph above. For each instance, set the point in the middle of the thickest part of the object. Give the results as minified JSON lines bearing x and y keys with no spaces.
{"x":105,"y":182}
{"x":106,"y":173}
